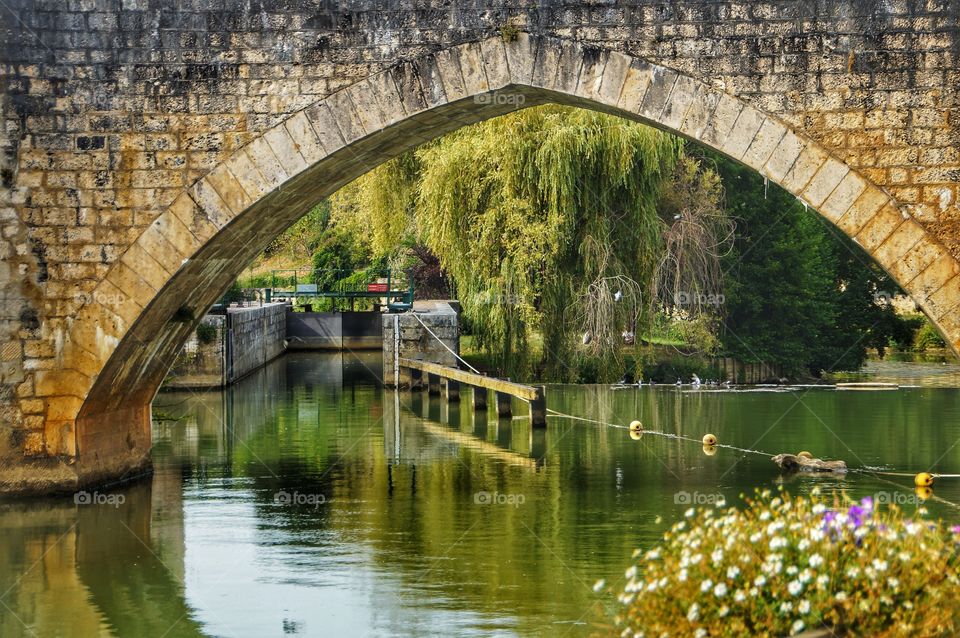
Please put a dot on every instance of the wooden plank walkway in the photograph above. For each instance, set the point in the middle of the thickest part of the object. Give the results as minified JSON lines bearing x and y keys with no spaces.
{"x":453,"y":378}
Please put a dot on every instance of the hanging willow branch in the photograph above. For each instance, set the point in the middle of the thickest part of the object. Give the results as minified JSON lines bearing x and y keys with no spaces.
{"x":688,"y":280}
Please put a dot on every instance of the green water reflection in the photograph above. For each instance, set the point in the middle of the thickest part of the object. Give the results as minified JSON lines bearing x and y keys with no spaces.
{"x":306,"y":500}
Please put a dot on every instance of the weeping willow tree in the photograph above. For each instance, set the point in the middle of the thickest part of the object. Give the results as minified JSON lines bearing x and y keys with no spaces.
{"x":547,"y":221}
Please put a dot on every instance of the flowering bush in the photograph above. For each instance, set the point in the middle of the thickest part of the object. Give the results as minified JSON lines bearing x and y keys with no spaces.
{"x":785,"y":565}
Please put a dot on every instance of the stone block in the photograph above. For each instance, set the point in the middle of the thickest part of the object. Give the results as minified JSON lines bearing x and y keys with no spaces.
{"x":825,"y":181}
{"x":325,"y":126}
{"x":305,"y":138}
{"x":658,"y":93}
{"x":472,"y":69}
{"x":803,"y":169}
{"x":863,"y":209}
{"x":843,"y":197}
{"x":229,"y":189}
{"x":879,"y":227}
{"x":496,"y":67}
{"x":521,"y":54}
{"x":721,"y":122}
{"x":764,"y":143}
{"x":285,"y":150}
{"x":743,"y":133}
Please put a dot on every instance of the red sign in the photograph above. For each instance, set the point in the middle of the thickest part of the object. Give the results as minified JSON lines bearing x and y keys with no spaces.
{"x":376,"y":287}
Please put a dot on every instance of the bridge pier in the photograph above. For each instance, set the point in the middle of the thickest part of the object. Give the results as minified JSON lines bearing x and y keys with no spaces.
{"x":504,"y":407}
{"x":479,"y":398}
{"x":433,"y":384}
{"x":453,"y":390}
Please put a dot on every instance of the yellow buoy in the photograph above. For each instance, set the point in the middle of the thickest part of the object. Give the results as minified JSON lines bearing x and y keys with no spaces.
{"x":805,"y":455}
{"x":636,"y":435}
{"x":636,"y":426}
{"x":923,"y":493}
{"x":709,"y":439}
{"x":923,"y":479}
{"x":709,"y":450}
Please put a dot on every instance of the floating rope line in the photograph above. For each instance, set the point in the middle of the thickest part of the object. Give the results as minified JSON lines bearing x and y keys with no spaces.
{"x":669,"y":435}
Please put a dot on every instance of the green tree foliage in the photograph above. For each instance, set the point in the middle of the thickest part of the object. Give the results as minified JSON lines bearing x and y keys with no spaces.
{"x":798,"y":292}
{"x":541,"y":218}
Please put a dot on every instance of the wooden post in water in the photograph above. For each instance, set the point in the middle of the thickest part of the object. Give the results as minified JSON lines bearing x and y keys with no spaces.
{"x":479,"y":398}
{"x":453,"y":390}
{"x":538,"y":409}
{"x":416,"y":379}
{"x":433,"y":384}
{"x":503,"y":404}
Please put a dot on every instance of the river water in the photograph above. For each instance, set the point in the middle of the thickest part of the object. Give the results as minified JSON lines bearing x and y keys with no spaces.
{"x":307,"y":500}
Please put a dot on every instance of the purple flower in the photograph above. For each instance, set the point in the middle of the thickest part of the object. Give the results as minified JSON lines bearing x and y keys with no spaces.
{"x":955,"y":529}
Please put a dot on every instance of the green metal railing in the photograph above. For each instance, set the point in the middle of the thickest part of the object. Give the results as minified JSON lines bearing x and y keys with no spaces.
{"x":396,"y":286}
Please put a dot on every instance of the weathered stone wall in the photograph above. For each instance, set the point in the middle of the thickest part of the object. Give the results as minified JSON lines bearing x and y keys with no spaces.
{"x":145,"y":144}
{"x":416,"y":342}
{"x":255,"y":336}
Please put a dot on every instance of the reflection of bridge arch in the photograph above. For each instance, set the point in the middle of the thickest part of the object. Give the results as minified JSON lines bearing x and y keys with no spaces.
{"x":116,"y":353}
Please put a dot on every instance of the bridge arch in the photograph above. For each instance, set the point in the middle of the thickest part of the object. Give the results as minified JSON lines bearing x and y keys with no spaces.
{"x":120,"y":344}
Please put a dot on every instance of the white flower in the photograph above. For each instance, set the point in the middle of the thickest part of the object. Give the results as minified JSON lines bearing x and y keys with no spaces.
{"x":792,"y":570}
{"x":822,"y":580}
{"x":764,"y":515}
{"x":753,"y":592}
{"x":682,"y":576}
{"x":723,"y":611}
{"x":815,"y":560}
{"x":879,"y":565}
{"x":739,"y":596}
{"x":796,"y":627}
{"x":597,"y":586}
{"x":786,"y":608}
{"x":805,"y":576}
{"x":777,"y":542}
{"x":706,"y":585}
{"x":841,"y":596}
{"x":893,"y":583}
{"x":803,"y":545}
{"x":733,"y":572}
{"x":804,"y":607}
{"x":819,"y":508}
{"x":794,"y":587}
{"x":700,"y":633}
{"x":720,"y":590}
{"x":690,"y":512}
{"x":853,"y":572}
{"x":630,"y":573}
{"x":716,"y":556}
{"x":760,"y":580}
{"x":693,"y":612}
{"x":755,"y":537}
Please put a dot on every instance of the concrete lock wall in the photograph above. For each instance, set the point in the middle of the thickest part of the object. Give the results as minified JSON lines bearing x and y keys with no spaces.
{"x":245,"y":340}
{"x":255,"y":336}
{"x":416,"y":342}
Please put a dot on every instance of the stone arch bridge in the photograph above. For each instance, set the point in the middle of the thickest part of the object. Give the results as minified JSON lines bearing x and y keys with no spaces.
{"x":152,"y":148}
